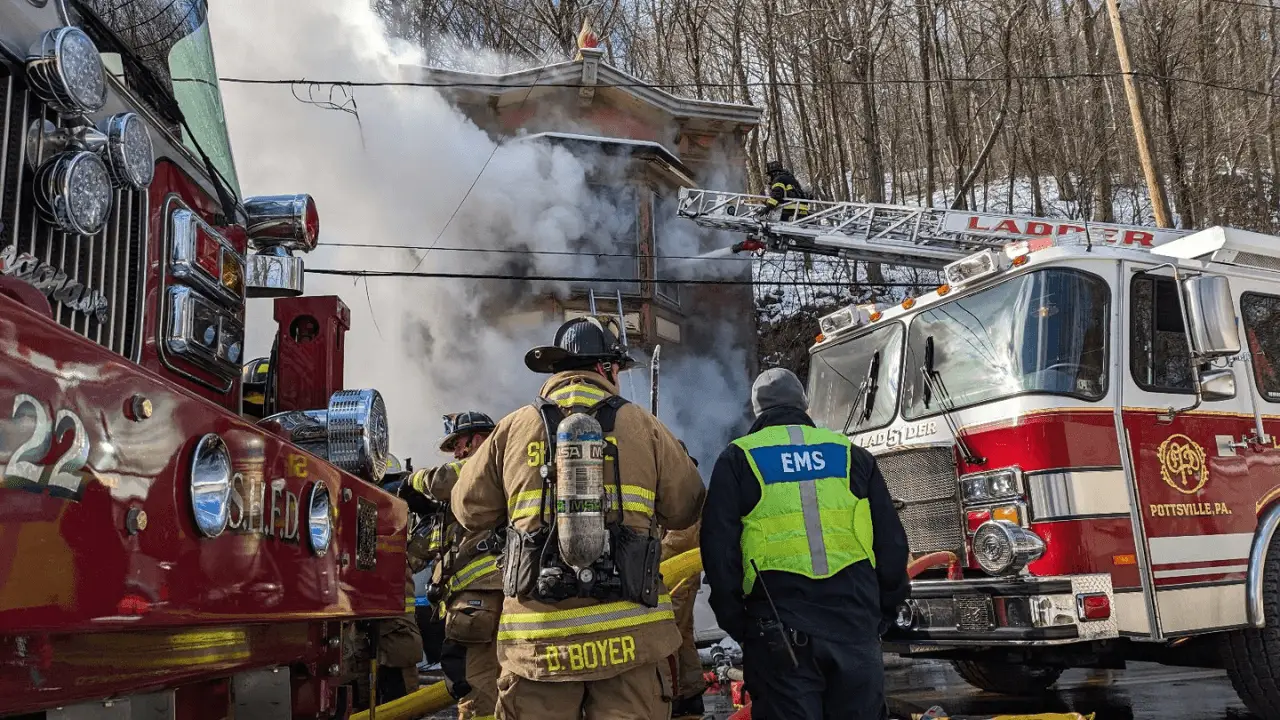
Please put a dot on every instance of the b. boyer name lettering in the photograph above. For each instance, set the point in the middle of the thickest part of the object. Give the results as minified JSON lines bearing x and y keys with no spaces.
{"x":590,"y":655}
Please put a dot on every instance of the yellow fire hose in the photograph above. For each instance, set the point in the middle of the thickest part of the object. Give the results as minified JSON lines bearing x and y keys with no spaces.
{"x":435,"y":698}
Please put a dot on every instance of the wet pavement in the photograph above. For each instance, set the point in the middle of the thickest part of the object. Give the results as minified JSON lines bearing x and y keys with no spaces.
{"x":1143,"y":691}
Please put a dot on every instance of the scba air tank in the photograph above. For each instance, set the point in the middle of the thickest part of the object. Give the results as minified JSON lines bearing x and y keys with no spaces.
{"x":580,"y":490}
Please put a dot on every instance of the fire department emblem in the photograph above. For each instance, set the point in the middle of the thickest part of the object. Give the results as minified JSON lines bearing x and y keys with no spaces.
{"x":1182,"y":464}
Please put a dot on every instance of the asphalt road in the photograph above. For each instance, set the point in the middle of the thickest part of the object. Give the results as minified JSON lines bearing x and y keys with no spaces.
{"x":1143,"y":691}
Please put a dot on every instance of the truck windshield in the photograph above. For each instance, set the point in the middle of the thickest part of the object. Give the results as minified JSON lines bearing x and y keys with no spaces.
{"x":170,"y":38}
{"x":836,"y":376}
{"x":1043,"y":332}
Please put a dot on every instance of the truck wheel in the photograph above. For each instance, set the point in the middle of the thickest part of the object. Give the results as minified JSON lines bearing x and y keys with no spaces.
{"x":1252,"y":656}
{"x":1007,"y":679}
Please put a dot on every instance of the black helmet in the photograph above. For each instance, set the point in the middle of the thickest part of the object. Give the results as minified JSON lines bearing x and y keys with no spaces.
{"x":579,"y":343}
{"x":773,"y":166}
{"x":463,"y":423}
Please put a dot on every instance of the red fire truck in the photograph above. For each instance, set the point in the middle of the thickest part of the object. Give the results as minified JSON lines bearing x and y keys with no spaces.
{"x":1084,"y":416}
{"x":162,"y":554}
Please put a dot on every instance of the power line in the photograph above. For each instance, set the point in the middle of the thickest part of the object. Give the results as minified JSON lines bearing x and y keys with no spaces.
{"x":589,"y":280}
{"x":484,"y":167}
{"x":1243,"y":3}
{"x":518,"y":251}
{"x":779,"y":83}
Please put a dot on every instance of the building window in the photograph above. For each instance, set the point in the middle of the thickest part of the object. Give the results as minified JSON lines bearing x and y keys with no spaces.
{"x":664,"y":247}
{"x":614,"y":234}
{"x":1159,"y":357}
{"x":1262,"y":327}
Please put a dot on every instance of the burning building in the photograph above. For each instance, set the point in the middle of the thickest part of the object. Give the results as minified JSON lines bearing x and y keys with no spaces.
{"x":653,"y":143}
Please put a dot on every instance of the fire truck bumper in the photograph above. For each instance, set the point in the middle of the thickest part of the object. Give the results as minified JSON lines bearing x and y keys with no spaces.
{"x":1013,"y":611}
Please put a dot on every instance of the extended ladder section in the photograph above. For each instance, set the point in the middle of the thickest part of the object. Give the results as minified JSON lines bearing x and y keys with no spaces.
{"x":894,"y":234}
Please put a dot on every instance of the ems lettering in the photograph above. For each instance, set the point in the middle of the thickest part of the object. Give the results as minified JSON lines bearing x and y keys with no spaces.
{"x":807,"y":460}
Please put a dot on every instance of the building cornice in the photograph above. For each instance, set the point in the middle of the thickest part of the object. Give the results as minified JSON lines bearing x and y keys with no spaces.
{"x":571,"y":74}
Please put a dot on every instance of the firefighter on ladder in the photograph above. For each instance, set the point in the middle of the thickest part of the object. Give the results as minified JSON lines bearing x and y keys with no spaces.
{"x":806,"y":558}
{"x":784,"y":186}
{"x":584,"y":482}
{"x":466,"y":581}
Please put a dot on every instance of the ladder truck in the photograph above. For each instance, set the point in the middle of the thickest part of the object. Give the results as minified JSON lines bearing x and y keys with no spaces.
{"x":1081,"y":421}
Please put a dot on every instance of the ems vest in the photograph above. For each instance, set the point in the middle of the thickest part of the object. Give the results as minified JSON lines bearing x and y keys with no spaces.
{"x":808,"y":521}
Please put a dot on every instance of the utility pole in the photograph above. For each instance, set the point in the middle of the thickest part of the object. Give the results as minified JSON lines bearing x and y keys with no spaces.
{"x":1155,"y":188}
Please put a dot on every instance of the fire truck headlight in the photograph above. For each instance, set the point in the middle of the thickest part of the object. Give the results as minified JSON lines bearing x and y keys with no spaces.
{"x":73,"y":191}
{"x":1002,"y":548}
{"x":358,"y":435}
{"x":990,"y":486}
{"x":320,"y":519}
{"x":129,"y":153}
{"x":65,"y":70}
{"x":211,"y":485}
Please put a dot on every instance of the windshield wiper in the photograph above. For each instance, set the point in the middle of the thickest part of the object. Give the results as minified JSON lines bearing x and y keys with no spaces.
{"x":866,"y":393}
{"x":160,"y":97}
{"x":933,"y":384}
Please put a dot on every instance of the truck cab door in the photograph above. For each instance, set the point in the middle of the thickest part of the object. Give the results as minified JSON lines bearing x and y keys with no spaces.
{"x":1195,"y":497}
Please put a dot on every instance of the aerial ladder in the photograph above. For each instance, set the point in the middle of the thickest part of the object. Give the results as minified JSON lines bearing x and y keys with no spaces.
{"x":921,"y":237}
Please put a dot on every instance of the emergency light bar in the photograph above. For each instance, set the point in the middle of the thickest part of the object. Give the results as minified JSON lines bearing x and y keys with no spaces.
{"x":846,"y":318}
{"x":975,"y":267}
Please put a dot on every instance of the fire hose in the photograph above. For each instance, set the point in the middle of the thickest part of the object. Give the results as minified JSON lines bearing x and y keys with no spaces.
{"x":435,"y":697}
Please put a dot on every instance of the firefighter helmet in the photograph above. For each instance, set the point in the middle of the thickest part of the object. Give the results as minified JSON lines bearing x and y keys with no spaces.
{"x":773,"y":166}
{"x":393,"y":465}
{"x":464,"y":423}
{"x":579,"y":343}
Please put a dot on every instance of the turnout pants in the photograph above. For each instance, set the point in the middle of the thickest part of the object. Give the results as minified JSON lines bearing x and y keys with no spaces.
{"x":689,"y":682}
{"x":469,"y":656}
{"x":834,"y":681}
{"x":642,"y":693}
{"x":479,"y":663}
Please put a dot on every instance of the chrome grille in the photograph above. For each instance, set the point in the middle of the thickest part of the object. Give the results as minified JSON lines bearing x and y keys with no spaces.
{"x":111,"y":262}
{"x":925,"y":480}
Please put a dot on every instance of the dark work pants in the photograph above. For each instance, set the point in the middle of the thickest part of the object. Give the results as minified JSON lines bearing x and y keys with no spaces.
{"x":432,"y":629}
{"x":391,"y":684}
{"x":834,"y":681}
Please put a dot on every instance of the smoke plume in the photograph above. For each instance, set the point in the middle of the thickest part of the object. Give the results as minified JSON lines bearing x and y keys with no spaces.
{"x":394,"y":170}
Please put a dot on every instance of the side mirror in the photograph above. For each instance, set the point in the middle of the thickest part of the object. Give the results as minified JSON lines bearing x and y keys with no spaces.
{"x":1212,"y":317}
{"x":279,"y":226}
{"x":1218,"y":384}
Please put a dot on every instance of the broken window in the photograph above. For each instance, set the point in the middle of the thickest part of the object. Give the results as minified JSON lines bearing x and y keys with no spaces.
{"x":1261,"y":314}
{"x":1160,"y":360}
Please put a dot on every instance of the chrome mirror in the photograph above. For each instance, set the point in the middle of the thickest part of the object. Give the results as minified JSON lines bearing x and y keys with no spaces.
{"x":278,"y":226}
{"x":1211,"y":315}
{"x":1218,"y":384}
